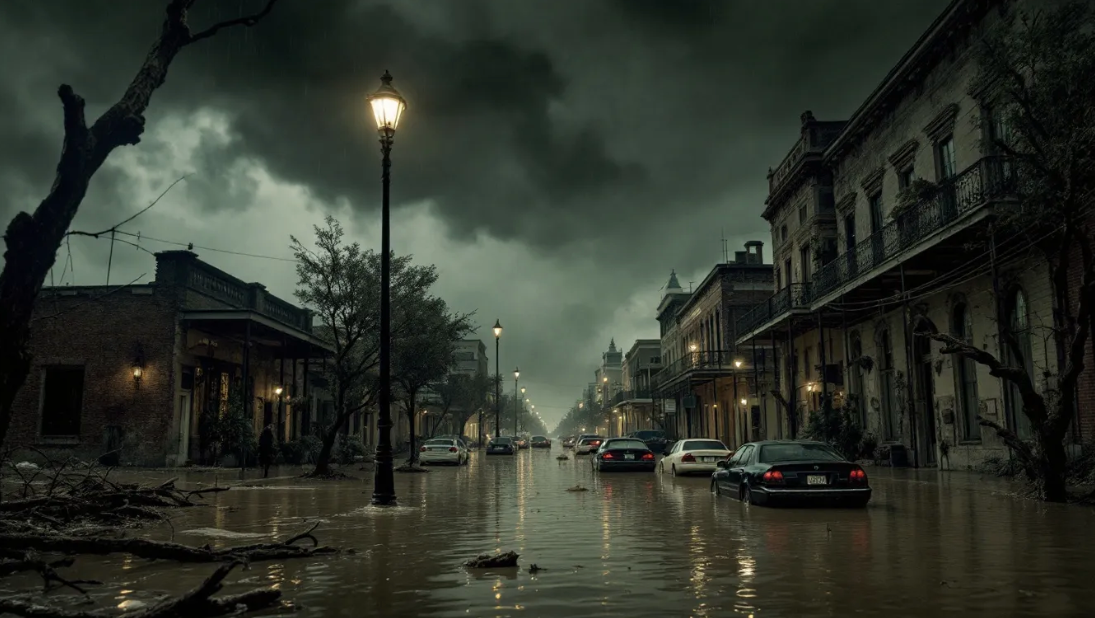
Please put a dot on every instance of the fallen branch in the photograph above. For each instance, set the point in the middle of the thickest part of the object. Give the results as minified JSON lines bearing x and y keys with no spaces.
{"x":161,"y":550}
{"x":497,"y":561}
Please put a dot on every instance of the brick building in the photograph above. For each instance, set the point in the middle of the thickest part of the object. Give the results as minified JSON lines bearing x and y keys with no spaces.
{"x":705,"y":375}
{"x":136,"y":367}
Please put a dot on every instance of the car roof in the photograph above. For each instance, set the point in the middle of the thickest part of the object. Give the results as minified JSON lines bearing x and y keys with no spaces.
{"x":767,"y":442}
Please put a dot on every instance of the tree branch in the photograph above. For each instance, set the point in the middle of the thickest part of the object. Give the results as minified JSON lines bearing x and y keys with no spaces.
{"x":246,"y":21}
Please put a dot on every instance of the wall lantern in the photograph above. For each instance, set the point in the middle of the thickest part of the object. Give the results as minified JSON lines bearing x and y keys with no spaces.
{"x":744,"y":401}
{"x":138,"y":367}
{"x":278,"y":391}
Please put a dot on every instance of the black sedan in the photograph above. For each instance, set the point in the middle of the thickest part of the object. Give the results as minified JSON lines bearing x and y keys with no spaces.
{"x":655,"y":439}
{"x":623,"y":454}
{"x":780,"y":472}
{"x":540,"y":442}
{"x":501,"y":446}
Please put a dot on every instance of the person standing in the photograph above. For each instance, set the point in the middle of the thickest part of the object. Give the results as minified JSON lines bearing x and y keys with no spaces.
{"x":266,"y":450}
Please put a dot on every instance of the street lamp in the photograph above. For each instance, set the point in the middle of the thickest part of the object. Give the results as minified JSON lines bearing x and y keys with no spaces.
{"x":388,"y":107}
{"x":498,"y":383}
{"x":516,"y":399}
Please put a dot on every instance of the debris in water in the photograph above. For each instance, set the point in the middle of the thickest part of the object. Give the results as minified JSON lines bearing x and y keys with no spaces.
{"x":577,"y":488}
{"x":497,"y":561}
{"x":411,"y":467}
{"x":535,"y":568}
{"x":562,"y":458}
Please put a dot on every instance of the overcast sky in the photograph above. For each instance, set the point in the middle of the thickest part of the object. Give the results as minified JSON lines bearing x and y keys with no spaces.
{"x":558,"y":157}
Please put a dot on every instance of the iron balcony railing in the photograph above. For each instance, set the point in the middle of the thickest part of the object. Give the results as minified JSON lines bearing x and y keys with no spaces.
{"x":794,"y":296}
{"x":988,"y":179}
{"x":705,"y":360}
{"x":623,"y":396}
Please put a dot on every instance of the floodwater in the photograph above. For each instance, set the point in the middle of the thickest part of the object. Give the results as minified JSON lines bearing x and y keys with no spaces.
{"x":634,"y":544}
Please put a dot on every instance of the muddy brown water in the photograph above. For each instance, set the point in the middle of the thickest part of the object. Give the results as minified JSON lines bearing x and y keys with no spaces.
{"x":635,"y":544}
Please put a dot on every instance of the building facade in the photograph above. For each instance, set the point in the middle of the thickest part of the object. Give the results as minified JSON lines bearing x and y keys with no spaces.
{"x":136,"y":368}
{"x":873,"y":221}
{"x":633,"y":406}
{"x":705,"y":374}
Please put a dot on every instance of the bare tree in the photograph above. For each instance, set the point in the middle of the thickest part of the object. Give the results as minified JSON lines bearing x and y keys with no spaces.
{"x":341,"y":283}
{"x":33,"y":239}
{"x":425,"y":354}
{"x":461,"y":396}
{"x":1035,"y":78}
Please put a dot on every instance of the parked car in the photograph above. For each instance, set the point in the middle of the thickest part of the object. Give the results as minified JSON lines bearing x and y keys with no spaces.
{"x":777,"y":472}
{"x":503,"y":445}
{"x":570,"y":441}
{"x":443,"y":450}
{"x":464,"y":441}
{"x":540,"y":442}
{"x":654,"y":439}
{"x":623,"y":454}
{"x":694,"y":456}
{"x":522,"y":442}
{"x":587,"y":444}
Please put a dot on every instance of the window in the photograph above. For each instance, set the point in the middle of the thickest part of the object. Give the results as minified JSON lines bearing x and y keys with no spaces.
{"x":802,"y":213}
{"x":856,"y":379}
{"x":999,"y":129}
{"x":886,"y":376}
{"x":965,"y":376}
{"x":875,"y":205}
{"x":806,"y":354}
{"x":783,"y":233}
{"x":905,"y":177}
{"x":779,"y":279}
{"x":62,"y":400}
{"x":787,"y":269}
{"x":772,"y":453}
{"x":849,"y":232}
{"x":804,"y":262}
{"x":944,"y":154}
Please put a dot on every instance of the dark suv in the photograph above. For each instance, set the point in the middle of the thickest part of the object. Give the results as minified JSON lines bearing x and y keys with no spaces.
{"x":654,"y":439}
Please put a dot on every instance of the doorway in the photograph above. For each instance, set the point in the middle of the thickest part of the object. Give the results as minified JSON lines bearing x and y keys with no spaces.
{"x":924,"y":395}
{"x":184,"y":415}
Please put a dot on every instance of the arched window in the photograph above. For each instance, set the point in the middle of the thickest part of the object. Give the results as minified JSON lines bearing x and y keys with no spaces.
{"x":965,"y":375}
{"x":886,"y":376}
{"x":1018,"y":353}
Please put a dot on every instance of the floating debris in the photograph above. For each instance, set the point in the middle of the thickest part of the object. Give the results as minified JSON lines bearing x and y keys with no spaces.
{"x":535,"y":568}
{"x":577,"y":488}
{"x":497,"y":561}
{"x":562,"y":458}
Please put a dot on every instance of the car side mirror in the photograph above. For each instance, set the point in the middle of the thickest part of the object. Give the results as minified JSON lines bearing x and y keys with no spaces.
{"x":722,"y":463}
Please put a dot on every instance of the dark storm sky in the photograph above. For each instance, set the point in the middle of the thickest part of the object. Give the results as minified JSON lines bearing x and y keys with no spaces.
{"x":557,"y":159}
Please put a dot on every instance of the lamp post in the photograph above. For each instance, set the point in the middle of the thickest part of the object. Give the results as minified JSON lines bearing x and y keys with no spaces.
{"x":498,"y":381}
{"x":516,"y":400}
{"x":387,"y":106}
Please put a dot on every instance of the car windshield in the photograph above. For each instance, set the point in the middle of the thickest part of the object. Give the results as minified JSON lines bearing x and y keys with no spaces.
{"x":539,"y":439}
{"x":611,"y":444}
{"x":588,"y":440}
{"x":649,"y":435}
{"x":703,"y":445}
{"x":770,"y":453}
{"x":439,"y":442}
{"x":501,"y":441}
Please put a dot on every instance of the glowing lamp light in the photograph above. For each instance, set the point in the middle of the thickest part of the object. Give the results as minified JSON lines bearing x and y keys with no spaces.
{"x":497,"y":329}
{"x":388,"y":105}
{"x":737,"y":364}
{"x":744,"y":401}
{"x":278,"y":391}
{"x":693,"y":347}
{"x":516,"y":373}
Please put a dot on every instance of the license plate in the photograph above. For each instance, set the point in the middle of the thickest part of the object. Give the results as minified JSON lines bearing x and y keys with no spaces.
{"x":708,"y":459}
{"x":629,"y":456}
{"x":816,"y":479}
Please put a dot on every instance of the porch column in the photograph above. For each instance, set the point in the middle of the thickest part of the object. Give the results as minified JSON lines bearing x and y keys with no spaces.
{"x":775,"y":385}
{"x":792,"y":387}
{"x":293,"y":426}
{"x":248,"y":402}
{"x":281,"y":385}
{"x":756,"y":381}
{"x":910,"y":381}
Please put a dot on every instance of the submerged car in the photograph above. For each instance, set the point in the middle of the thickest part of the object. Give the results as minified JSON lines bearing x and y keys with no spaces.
{"x":540,"y":442}
{"x":694,"y":456}
{"x":654,"y":438}
{"x":501,"y":446}
{"x":623,"y":454}
{"x":443,"y":450}
{"x":785,"y":472}
{"x":587,"y":444}
{"x":570,"y":441}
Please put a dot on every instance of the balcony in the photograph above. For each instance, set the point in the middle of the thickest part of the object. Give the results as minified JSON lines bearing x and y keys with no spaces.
{"x":989,"y":179}
{"x":623,"y":396}
{"x":217,"y":284}
{"x":794,"y":296}
{"x":704,"y":362}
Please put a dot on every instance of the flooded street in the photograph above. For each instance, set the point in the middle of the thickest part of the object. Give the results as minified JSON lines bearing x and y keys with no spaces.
{"x":632,"y":545}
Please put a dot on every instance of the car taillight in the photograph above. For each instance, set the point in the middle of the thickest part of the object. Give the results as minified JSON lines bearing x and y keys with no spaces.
{"x":688,"y":458}
{"x":423,"y":449}
{"x":772,"y":476}
{"x":858,"y":475}
{"x":453,"y":449}
{"x":607,"y":456}
{"x":648,"y":456}
{"x":595,"y":443}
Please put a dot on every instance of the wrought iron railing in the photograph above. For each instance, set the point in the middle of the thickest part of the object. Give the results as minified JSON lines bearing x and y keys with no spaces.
{"x":794,"y":296}
{"x":623,"y":396}
{"x":988,"y":179}
{"x":709,"y":360}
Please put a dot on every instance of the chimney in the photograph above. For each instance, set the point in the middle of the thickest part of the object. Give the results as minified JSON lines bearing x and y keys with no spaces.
{"x":755,"y":249}
{"x":740,"y":257}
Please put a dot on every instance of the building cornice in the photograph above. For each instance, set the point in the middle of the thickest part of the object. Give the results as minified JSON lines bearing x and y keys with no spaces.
{"x":873,"y":182}
{"x":903,"y":156}
{"x":943,"y":123}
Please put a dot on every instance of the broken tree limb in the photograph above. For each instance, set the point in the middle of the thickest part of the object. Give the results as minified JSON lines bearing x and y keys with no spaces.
{"x":161,"y":550}
{"x":496,"y":561}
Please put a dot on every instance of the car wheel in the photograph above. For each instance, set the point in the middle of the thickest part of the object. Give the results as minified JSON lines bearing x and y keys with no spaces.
{"x":746,"y":495}
{"x":715,"y":488}
{"x":674,"y":469}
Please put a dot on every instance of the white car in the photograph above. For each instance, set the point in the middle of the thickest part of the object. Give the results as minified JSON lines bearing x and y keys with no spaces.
{"x":695,"y":456}
{"x":443,"y":451}
{"x":587,"y":444}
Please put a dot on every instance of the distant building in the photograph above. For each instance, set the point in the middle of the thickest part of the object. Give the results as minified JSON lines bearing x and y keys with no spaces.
{"x":471,"y":357}
{"x":633,"y":406}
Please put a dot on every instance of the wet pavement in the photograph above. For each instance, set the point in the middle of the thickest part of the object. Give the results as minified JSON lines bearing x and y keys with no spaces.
{"x":634,"y":544}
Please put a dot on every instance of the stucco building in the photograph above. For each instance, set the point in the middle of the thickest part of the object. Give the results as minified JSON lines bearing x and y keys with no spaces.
{"x":870,"y":260}
{"x":633,"y":405}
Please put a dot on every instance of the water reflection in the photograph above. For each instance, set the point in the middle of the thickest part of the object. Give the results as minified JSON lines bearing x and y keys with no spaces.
{"x":639,"y":545}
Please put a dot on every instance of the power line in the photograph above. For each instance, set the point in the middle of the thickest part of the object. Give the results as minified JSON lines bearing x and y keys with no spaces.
{"x":190,"y":245}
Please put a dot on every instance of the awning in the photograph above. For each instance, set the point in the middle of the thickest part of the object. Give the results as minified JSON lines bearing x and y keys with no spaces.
{"x":233,"y":323}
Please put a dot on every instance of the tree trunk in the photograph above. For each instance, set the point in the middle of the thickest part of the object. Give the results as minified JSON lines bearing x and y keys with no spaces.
{"x":413,"y":457}
{"x":323,"y":460}
{"x":1054,"y":467}
{"x":33,"y":240}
